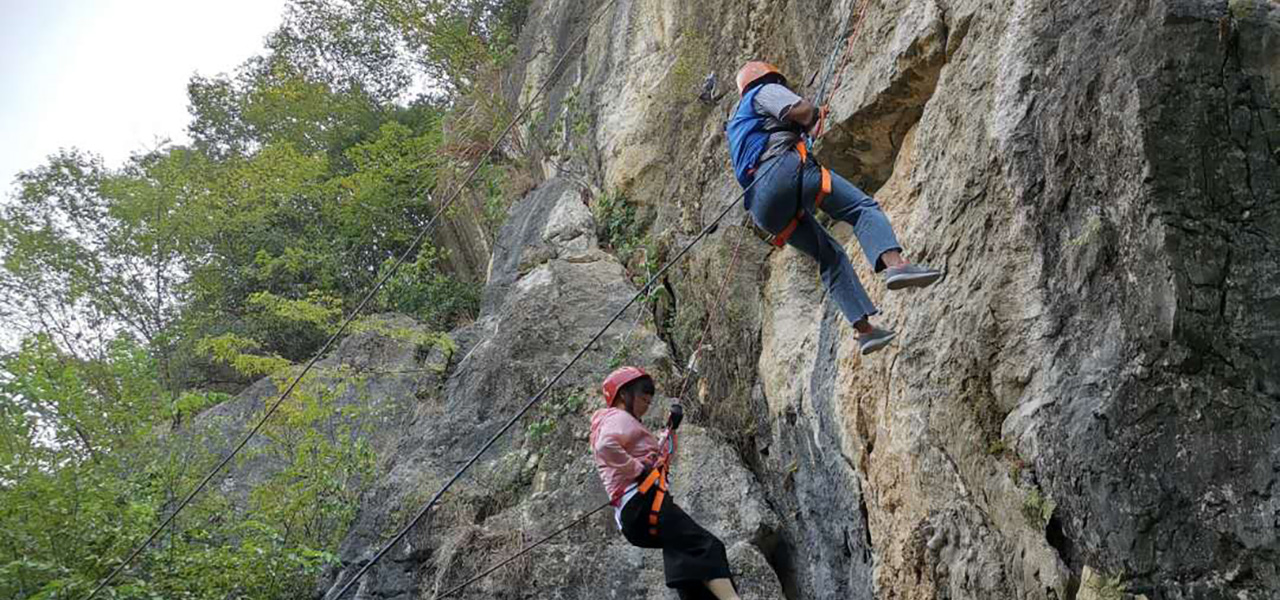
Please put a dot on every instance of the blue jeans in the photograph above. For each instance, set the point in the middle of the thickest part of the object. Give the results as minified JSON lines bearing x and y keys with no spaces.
{"x":772,"y":203}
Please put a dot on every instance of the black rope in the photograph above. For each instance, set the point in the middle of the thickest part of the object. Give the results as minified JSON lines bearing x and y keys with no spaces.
{"x":829,"y":65}
{"x":526,"y":550}
{"x":347,"y":322}
{"x":381,"y":282}
{"x":529,"y":405}
{"x":643,"y":291}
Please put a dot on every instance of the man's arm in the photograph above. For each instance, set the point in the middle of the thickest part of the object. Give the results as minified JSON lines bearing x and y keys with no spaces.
{"x":802,"y":113}
{"x":786,"y":105}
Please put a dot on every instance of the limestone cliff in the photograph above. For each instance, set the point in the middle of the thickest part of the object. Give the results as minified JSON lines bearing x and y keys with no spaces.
{"x":1086,"y":406}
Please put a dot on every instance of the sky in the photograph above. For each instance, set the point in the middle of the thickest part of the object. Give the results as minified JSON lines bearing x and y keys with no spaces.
{"x":110,"y":76}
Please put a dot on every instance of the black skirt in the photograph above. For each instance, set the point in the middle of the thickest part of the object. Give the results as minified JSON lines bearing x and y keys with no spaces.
{"x":690,"y":554}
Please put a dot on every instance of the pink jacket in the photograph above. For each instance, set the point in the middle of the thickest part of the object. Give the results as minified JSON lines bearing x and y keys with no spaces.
{"x":623,"y":449}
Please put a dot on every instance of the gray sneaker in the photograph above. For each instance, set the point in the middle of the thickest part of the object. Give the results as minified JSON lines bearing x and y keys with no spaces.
{"x":878,"y":338}
{"x":905,"y":276}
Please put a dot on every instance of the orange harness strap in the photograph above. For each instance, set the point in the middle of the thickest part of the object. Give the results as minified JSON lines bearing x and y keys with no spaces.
{"x":780,"y":240}
{"x":658,"y":476}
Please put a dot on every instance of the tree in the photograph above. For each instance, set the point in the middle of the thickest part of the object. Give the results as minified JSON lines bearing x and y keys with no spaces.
{"x":89,"y":253}
{"x":147,"y":291}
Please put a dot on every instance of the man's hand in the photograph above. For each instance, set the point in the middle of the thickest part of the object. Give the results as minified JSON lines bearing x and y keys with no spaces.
{"x":803,"y":113}
{"x":816,"y":130}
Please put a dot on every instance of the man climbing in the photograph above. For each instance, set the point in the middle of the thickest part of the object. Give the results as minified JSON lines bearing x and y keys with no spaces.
{"x":768,"y":127}
{"x":633,"y":467}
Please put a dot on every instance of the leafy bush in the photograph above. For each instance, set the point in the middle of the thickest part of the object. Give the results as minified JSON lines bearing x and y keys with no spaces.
{"x":88,"y":472}
{"x":197,"y":267}
{"x":1038,"y":508}
{"x":421,"y":290}
{"x":1107,"y":587}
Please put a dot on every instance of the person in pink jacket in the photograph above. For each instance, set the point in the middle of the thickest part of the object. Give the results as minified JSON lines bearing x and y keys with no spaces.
{"x":632,"y":467}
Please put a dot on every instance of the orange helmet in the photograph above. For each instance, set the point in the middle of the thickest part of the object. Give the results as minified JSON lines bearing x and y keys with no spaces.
{"x":754,"y":70}
{"x":619,"y":378}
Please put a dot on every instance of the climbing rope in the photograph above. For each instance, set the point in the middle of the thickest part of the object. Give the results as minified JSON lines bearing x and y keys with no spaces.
{"x":417,"y":240}
{"x":527,"y":549}
{"x":620,"y":352}
{"x":669,"y":446}
{"x":547,"y":387}
{"x":400,"y":260}
{"x":669,"y":449}
{"x":830,"y":69}
{"x":833,"y":68}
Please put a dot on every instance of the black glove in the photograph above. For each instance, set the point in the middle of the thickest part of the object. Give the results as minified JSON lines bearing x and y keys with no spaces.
{"x":677,"y":415}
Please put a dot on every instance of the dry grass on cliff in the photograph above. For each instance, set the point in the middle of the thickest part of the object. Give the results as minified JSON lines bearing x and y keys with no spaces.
{"x":471,"y":549}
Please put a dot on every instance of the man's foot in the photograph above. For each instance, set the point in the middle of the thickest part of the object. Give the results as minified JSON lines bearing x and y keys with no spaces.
{"x":874,"y":340}
{"x":909,"y":275}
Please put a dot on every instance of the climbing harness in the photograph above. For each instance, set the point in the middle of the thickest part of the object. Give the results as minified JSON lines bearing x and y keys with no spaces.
{"x":748,"y":137}
{"x":659,"y":476}
{"x":819,"y":128}
{"x":724,"y":286}
{"x":781,"y":238}
{"x":754,"y":70}
{"x":541,"y":394}
{"x":381,"y":283}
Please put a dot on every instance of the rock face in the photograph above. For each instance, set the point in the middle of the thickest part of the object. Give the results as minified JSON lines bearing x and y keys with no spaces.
{"x":1086,"y":406}
{"x":1094,"y":384}
{"x":551,"y":288}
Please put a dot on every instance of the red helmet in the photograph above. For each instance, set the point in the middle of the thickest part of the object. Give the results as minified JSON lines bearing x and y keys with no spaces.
{"x":619,"y":378}
{"x":754,"y":70}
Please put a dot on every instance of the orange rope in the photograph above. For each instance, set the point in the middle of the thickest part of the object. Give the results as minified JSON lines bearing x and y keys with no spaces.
{"x":853,"y":36}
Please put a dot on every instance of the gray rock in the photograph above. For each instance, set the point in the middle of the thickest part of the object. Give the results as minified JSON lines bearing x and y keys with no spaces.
{"x":1094,"y":383}
{"x":1091,"y":389}
{"x":551,"y":289}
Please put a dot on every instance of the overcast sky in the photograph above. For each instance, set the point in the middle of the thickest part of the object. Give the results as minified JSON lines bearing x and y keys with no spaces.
{"x":109,"y":76}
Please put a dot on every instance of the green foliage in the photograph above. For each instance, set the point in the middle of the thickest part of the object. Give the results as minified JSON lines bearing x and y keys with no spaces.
{"x":617,"y":226}
{"x":421,"y":290}
{"x":87,"y":253}
{"x":712,"y":328}
{"x":618,"y":358}
{"x":87,"y":473}
{"x":303,"y":177}
{"x":540,"y":428}
{"x":142,"y":289}
{"x":568,"y":134}
{"x":233,"y":351}
{"x":424,"y":340}
{"x":553,"y":410}
{"x":1038,"y":508}
{"x":1108,"y":587}
{"x":572,"y":404}
{"x":191,"y":403}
